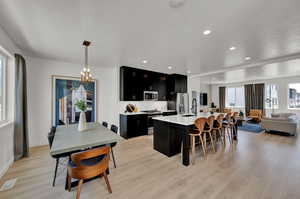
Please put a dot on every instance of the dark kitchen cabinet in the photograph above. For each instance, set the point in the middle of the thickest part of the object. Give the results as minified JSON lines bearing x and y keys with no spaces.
{"x":176,"y":84}
{"x":148,"y":79}
{"x":160,"y":85}
{"x":133,"y":83}
{"x":130,"y":87}
{"x":133,"y":125}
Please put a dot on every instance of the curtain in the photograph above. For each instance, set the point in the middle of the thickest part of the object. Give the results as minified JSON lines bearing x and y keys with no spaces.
{"x":222,"y":93}
{"x":249,"y":94}
{"x":259,"y":102}
{"x":21,"y":148}
{"x":254,"y":97}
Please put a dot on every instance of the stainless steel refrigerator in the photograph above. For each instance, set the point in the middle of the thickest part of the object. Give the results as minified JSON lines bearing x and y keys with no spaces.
{"x":179,"y":102}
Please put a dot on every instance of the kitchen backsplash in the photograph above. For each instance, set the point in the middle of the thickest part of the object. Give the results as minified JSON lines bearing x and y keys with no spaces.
{"x":144,"y":105}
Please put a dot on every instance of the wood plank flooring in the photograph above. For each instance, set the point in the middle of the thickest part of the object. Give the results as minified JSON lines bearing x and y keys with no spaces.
{"x":260,"y":166}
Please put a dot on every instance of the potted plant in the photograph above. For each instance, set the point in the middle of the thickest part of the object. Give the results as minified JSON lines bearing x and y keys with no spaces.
{"x":82,"y":106}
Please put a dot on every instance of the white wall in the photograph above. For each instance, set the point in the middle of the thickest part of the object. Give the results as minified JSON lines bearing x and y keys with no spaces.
{"x":283,"y":91}
{"x":194,"y":84}
{"x":39,"y":74}
{"x":6,"y":130}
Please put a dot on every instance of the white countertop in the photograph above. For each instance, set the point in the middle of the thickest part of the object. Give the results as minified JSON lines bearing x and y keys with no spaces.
{"x":185,"y":121}
{"x":133,"y":113}
{"x":141,"y":113}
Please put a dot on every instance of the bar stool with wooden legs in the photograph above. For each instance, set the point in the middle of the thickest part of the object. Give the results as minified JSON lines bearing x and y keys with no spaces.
{"x":217,"y":128}
{"x":198,"y":132}
{"x":88,"y":164}
{"x":208,"y":130}
{"x":227,"y":125}
{"x":233,"y":123}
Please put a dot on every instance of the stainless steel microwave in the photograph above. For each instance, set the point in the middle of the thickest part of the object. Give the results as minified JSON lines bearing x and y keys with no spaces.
{"x":150,"y":95}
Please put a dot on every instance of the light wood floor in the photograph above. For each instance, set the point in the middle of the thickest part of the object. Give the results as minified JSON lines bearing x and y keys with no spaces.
{"x":259,"y":166}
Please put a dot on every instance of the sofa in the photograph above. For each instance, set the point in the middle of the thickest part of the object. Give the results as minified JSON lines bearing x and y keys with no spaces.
{"x":282,"y":122}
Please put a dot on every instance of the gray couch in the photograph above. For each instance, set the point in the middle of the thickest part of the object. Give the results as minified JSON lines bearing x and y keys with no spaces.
{"x":283,"y":122}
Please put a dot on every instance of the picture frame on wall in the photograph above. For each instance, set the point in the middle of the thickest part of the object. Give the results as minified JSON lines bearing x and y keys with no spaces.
{"x":66,"y":91}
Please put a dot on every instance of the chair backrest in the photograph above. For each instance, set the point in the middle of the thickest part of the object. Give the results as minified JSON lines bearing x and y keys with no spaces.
{"x":114,"y":128}
{"x":51,"y":135}
{"x":234,"y":117}
{"x":93,"y":153}
{"x":200,"y":123}
{"x":220,"y":119}
{"x":105,"y":124}
{"x":255,"y":112}
{"x":210,"y":122}
{"x":227,"y":110}
{"x":228,"y":117}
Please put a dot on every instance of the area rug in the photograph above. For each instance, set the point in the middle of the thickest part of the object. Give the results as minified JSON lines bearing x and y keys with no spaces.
{"x":255,"y":128}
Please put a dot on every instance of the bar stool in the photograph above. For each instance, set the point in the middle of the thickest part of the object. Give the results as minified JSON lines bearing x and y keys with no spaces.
{"x":198,"y":132}
{"x":208,"y":130}
{"x":217,"y":128}
{"x":233,"y":123}
{"x":227,"y":125}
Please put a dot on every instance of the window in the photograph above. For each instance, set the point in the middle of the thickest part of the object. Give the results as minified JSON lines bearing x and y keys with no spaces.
{"x":294,"y":95}
{"x":271,"y":101}
{"x":2,"y":87}
{"x":235,"y":97}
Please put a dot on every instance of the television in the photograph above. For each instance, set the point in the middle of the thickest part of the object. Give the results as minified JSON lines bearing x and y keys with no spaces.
{"x":203,"y":99}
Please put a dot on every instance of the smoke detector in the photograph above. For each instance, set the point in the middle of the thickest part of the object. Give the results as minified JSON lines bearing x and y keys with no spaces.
{"x":176,"y":3}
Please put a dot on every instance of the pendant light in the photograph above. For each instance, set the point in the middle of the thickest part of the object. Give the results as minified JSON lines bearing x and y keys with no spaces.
{"x":85,"y":74}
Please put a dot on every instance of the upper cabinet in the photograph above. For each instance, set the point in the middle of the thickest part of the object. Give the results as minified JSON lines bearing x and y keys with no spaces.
{"x":176,"y":84}
{"x":133,"y":83}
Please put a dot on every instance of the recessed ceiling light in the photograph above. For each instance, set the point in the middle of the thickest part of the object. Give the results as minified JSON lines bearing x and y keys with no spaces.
{"x":232,"y":48}
{"x":145,"y":61}
{"x":206,"y":32}
{"x":247,"y":58}
{"x":169,"y":67}
{"x":188,"y":71}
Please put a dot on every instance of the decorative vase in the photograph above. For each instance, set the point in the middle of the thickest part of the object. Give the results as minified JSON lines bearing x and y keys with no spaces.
{"x":82,"y":121}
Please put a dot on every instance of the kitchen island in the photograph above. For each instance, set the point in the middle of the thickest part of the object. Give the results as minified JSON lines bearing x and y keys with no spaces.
{"x":172,"y":132}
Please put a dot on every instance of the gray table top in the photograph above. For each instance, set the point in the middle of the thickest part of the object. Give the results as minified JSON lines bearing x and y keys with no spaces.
{"x":68,"y":138}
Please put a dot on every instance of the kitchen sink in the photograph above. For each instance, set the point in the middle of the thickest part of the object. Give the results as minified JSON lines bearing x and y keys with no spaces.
{"x":188,"y":115}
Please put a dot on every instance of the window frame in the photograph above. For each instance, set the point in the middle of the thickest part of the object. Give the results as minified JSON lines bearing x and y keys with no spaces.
{"x":267,"y":108}
{"x":228,"y":106}
{"x":3,"y":112}
{"x":288,"y":96}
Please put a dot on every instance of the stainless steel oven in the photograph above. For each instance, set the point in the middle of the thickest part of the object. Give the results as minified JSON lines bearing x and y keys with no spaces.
{"x":150,"y":95}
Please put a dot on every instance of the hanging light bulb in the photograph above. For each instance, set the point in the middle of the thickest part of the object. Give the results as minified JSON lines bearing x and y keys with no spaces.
{"x":86,"y":76}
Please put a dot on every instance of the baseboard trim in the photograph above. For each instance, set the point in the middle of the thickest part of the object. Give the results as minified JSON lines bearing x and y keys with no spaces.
{"x":6,"y":167}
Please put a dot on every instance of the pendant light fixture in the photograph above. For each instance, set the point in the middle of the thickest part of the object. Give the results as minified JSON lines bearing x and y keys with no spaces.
{"x":86,"y":75}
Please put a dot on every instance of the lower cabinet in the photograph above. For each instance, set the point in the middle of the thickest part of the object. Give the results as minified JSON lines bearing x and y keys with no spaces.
{"x":167,"y":138}
{"x":133,"y":125}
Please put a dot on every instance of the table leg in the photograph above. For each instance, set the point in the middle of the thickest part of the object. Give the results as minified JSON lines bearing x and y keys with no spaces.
{"x":235,"y":132}
{"x":186,"y":148}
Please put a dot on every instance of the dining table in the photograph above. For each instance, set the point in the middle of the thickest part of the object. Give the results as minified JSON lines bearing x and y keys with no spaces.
{"x":69,"y":140}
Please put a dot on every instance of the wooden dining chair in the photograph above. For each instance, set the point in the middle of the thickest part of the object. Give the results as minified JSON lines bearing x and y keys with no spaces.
{"x":89,"y":164}
{"x":50,"y":137}
{"x":208,"y":130}
{"x":217,"y":128}
{"x":114,"y":129}
{"x":198,"y":132}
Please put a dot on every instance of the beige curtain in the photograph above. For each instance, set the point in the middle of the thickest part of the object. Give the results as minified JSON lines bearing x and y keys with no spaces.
{"x":254,"y":97}
{"x":222,"y":94}
{"x":259,"y":102}
{"x":249,"y":94}
{"x":20,"y":124}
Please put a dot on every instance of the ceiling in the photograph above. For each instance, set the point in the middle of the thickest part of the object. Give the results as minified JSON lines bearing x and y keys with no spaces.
{"x":128,"y":32}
